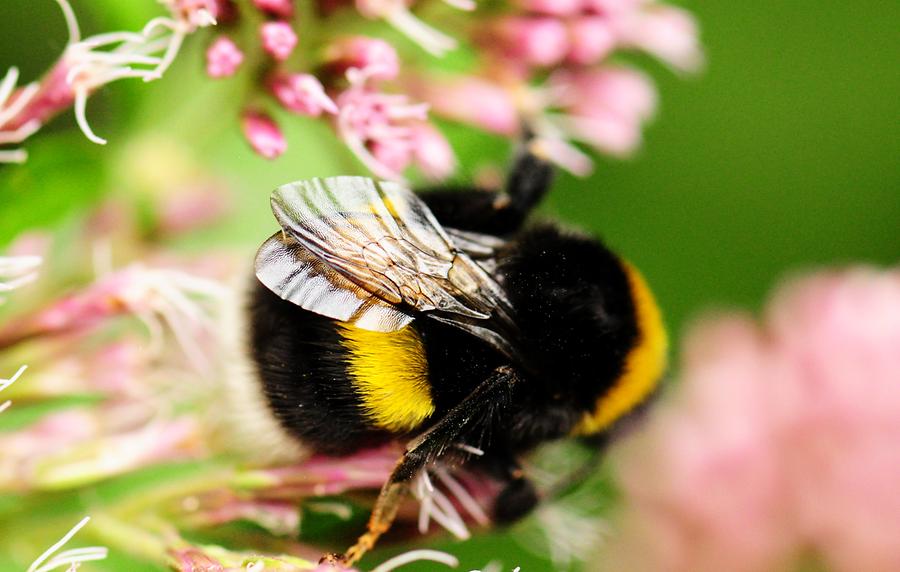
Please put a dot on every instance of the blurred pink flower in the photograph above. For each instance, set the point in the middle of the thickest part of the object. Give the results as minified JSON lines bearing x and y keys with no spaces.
{"x":431,"y":152}
{"x":376,"y":58}
{"x":223,"y":58}
{"x":301,"y":93}
{"x":604,"y":107}
{"x":78,"y":446}
{"x":263,"y":134}
{"x":473,"y":100}
{"x":192,"y":206}
{"x":782,"y":441}
{"x":378,"y":127}
{"x":551,"y":7}
{"x":668,"y":33}
{"x":283,"y":9}
{"x":536,"y":41}
{"x":591,"y":39}
{"x":278,"y":39}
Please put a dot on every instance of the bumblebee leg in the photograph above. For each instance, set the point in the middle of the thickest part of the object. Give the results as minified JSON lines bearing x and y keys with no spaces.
{"x":493,"y":212}
{"x":473,"y":412}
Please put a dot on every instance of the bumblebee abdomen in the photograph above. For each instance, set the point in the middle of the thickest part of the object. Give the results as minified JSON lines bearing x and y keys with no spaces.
{"x":334,"y":387}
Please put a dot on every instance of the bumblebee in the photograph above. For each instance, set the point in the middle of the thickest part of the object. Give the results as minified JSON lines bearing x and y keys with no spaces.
{"x":441,"y":319}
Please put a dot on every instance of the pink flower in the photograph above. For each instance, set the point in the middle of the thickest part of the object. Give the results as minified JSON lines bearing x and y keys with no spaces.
{"x":552,"y":7}
{"x":431,"y":152}
{"x":535,"y":41}
{"x":606,"y":107}
{"x":302,"y":93}
{"x":278,"y":39}
{"x":668,"y":33}
{"x":223,"y":58}
{"x":475,"y":101}
{"x":191,"y":207}
{"x":263,"y":134}
{"x":592,"y":38}
{"x":625,"y":92}
{"x":377,"y":126}
{"x":783,"y":440}
{"x":280,"y":8}
{"x":376,"y":58}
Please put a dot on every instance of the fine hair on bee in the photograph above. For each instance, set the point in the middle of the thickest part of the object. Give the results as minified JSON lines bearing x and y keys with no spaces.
{"x":443,"y":321}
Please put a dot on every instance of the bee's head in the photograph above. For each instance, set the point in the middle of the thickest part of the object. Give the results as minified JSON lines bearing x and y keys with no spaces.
{"x":591,"y":329}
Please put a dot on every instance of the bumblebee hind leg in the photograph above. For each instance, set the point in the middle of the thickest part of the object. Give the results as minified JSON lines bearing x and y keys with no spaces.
{"x":472,"y":413}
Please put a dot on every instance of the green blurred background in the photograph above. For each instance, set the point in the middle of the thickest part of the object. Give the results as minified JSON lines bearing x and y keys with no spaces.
{"x":782,"y":156}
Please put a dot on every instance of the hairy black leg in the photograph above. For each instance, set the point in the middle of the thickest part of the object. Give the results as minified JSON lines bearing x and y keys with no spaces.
{"x":493,"y":212}
{"x":517,"y":499}
{"x":470,"y":414}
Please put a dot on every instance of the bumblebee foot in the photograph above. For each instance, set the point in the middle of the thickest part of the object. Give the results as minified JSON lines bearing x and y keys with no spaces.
{"x":334,"y":559}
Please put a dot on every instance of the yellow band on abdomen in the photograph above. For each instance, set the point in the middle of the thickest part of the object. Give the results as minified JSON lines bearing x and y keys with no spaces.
{"x":390,"y":373}
{"x":644,"y":365}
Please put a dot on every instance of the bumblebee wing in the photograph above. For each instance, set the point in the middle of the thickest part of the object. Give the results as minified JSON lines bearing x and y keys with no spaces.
{"x":381,"y":238}
{"x":292,"y":272}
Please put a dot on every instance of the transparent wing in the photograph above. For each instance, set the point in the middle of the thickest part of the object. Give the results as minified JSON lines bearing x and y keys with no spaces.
{"x":292,"y":272}
{"x":371,"y":253}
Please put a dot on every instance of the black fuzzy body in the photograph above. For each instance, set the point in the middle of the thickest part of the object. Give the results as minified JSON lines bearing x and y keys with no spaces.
{"x":576,"y":321}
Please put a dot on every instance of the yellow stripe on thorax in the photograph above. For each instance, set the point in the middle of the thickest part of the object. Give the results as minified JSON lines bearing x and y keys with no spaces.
{"x":390,"y":372}
{"x":644,"y":364}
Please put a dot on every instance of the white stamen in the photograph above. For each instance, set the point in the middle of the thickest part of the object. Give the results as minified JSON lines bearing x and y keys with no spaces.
{"x":107,"y":38}
{"x":465,"y":5}
{"x":81,"y":96}
{"x":8,"y":83}
{"x":73,"y":556}
{"x":13,"y":156}
{"x":20,"y":134}
{"x":446,"y":515}
{"x":71,"y":21}
{"x":25,"y":96}
{"x":4,"y":383}
{"x":416,"y":555}
{"x":169,"y":55}
{"x":433,"y":41}
{"x":463,"y":496}
{"x":469,"y":449}
{"x":121,"y":59}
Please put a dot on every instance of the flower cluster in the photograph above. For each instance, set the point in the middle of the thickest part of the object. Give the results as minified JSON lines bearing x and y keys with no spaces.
{"x":90,"y":63}
{"x":585,"y":99}
{"x":542,"y":64}
{"x":781,"y":449}
{"x":135,"y":348}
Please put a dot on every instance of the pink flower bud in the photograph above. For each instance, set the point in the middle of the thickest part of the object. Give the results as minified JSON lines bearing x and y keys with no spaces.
{"x":535,"y":41}
{"x":263,"y":134}
{"x":278,"y":39}
{"x":431,"y":152}
{"x":552,"y":7}
{"x":474,"y":101}
{"x":279,"y":8}
{"x":377,"y":58}
{"x":302,"y":93}
{"x":223,"y":58}
{"x":226,"y":12}
{"x":592,"y":38}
